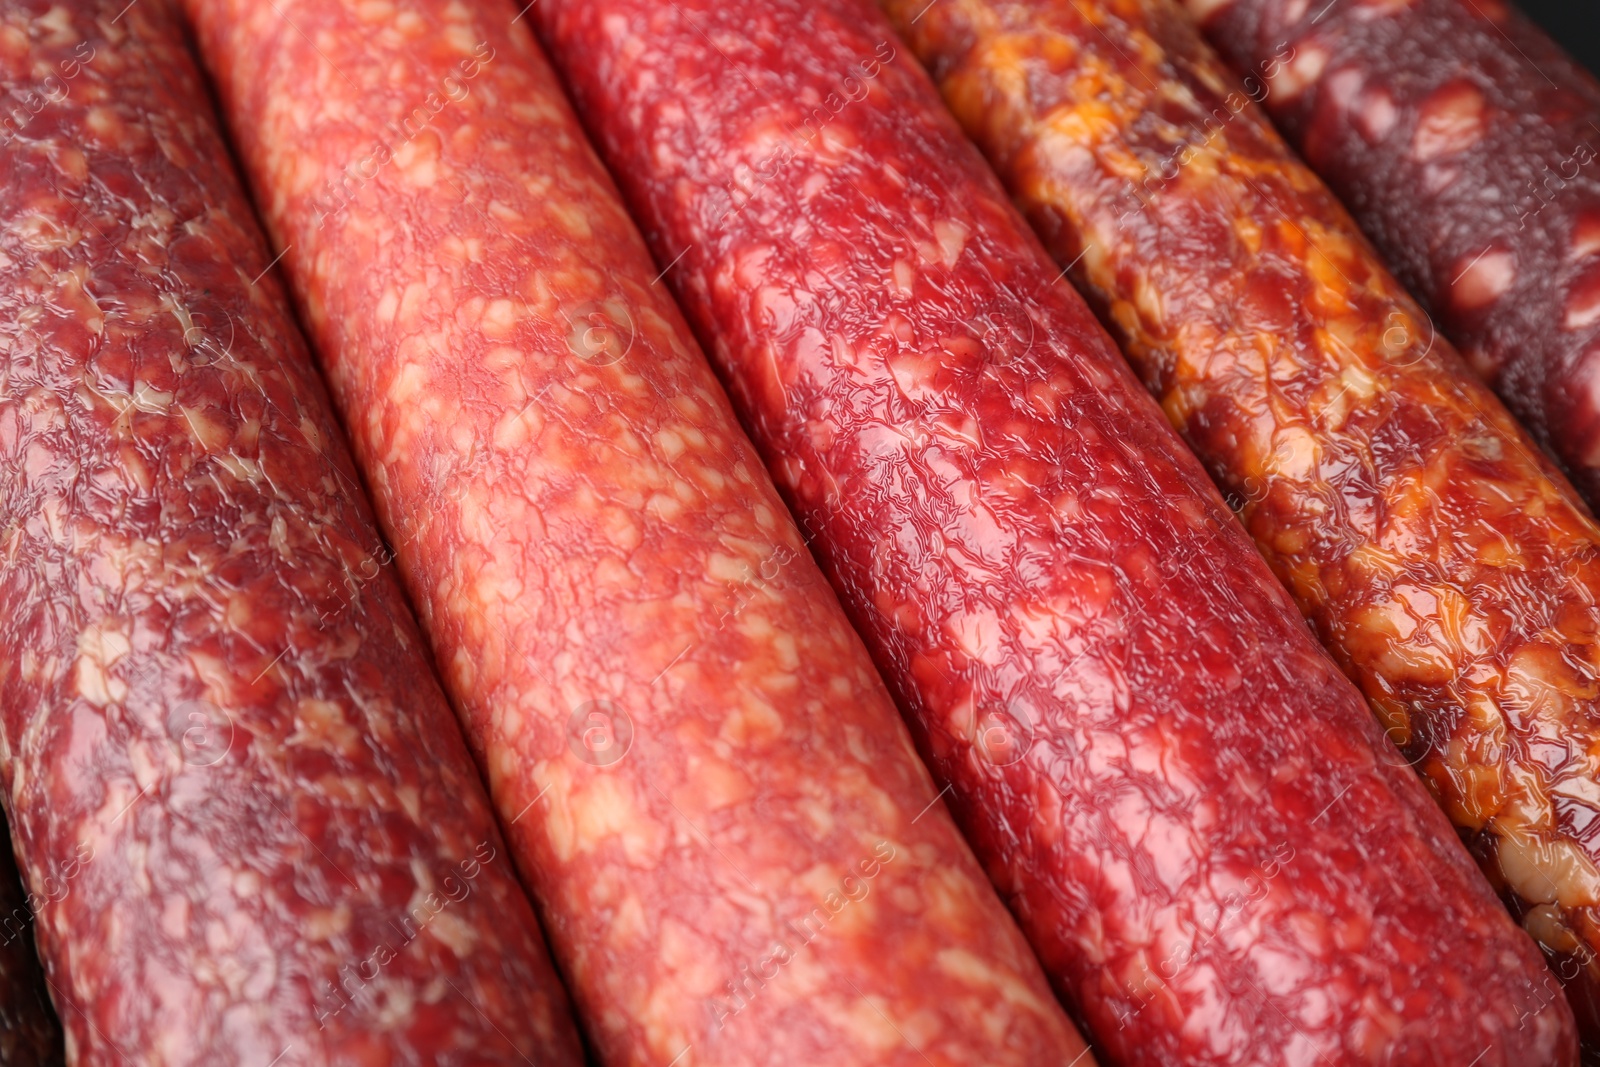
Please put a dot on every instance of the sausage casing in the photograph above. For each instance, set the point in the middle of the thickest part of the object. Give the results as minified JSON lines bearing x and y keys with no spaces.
{"x":737,"y":854}
{"x":237,"y":792}
{"x":1447,"y":565}
{"x":1176,"y":790}
{"x":1464,"y":141}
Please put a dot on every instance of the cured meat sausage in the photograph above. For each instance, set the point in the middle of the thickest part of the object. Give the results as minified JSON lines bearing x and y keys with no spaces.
{"x":30,"y":1034}
{"x":1464,"y":141}
{"x":1194,"y":816}
{"x":738,"y":856}
{"x":1441,"y":558}
{"x":1439,"y":554}
{"x":249,"y":822}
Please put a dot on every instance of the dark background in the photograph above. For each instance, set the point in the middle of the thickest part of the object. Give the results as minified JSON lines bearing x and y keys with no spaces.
{"x":1575,"y":24}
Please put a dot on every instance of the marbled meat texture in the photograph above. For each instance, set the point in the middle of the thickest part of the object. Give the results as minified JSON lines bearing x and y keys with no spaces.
{"x":1467,"y":145}
{"x":1217,"y":854}
{"x":1447,"y":565}
{"x":239,"y":798}
{"x":738,"y":856}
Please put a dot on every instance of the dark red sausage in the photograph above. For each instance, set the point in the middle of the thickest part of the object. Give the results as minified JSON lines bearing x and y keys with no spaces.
{"x":30,"y":1034}
{"x":1192,"y":813}
{"x":237,"y":792}
{"x":1467,"y":145}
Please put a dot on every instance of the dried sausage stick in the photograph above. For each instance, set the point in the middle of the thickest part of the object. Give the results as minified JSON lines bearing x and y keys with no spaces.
{"x":251,"y":827}
{"x":1449,"y":568}
{"x":739,"y":858}
{"x":1464,"y":141}
{"x":1179,"y":793}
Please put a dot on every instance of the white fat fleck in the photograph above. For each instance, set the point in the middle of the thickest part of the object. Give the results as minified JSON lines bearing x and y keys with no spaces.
{"x":1300,"y":72}
{"x":279,"y":537}
{"x":418,"y":159}
{"x":101,"y":645}
{"x":412,"y":301}
{"x":1585,"y":238}
{"x":1294,"y":454}
{"x":1583,"y":308}
{"x":952,"y":235}
{"x":972,"y":970}
{"x":1450,"y":122}
{"x":388,"y":303}
{"x":103,"y":122}
{"x":1549,"y":871}
{"x":979,"y":635}
{"x":453,"y":932}
{"x":1377,"y":114}
{"x":1483,"y":280}
{"x":903,"y":277}
{"x":58,"y":22}
{"x":461,"y":36}
{"x":245,"y":470}
{"x":210,"y":434}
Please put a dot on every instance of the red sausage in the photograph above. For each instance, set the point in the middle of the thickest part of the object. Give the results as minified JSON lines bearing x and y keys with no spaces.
{"x":738,"y":856}
{"x":1467,"y":145}
{"x":1192,"y":813}
{"x":30,"y":1034}
{"x":1446,"y":564}
{"x":251,"y":827}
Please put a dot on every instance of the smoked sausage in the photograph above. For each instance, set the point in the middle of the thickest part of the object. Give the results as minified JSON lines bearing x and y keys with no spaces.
{"x":737,"y":854}
{"x":1464,"y":141}
{"x":249,"y":823}
{"x":1215,"y":851}
{"x":1446,"y":564}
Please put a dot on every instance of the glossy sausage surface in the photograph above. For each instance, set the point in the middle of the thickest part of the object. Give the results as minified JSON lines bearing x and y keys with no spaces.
{"x":738,"y":856}
{"x":1443,"y":561}
{"x":1465,"y":142}
{"x":1194,"y":816}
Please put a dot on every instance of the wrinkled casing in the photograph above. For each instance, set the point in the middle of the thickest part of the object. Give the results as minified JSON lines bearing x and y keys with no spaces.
{"x":738,"y":856}
{"x":1467,"y":144}
{"x":1448,"y":566}
{"x":1194,"y":816}
{"x":236,"y":788}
